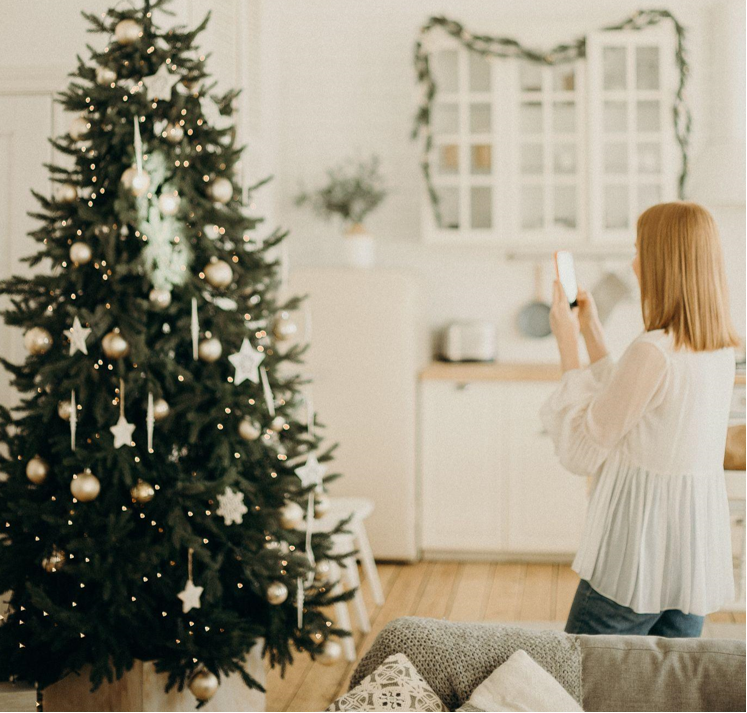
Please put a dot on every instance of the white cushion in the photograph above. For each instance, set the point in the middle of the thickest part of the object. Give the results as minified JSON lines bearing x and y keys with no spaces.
{"x":394,"y":686}
{"x":520,"y":684}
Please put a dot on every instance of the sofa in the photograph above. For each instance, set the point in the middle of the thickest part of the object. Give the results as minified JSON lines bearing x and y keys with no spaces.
{"x":603,"y":673}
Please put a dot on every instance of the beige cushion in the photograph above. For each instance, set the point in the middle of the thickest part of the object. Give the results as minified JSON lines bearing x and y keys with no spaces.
{"x":520,"y":684}
{"x":648,"y":673}
{"x":395,"y":685}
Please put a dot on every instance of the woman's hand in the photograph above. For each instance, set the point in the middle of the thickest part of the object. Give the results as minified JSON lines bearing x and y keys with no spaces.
{"x":590,"y":326}
{"x":565,"y":326}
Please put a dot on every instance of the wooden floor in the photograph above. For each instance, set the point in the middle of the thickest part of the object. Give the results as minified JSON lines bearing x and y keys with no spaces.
{"x":468,"y":591}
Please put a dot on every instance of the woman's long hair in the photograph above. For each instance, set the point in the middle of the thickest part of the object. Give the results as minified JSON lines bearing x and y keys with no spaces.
{"x":683,"y":282}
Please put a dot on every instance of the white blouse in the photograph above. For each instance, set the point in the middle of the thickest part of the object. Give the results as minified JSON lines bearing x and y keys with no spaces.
{"x":651,"y":430}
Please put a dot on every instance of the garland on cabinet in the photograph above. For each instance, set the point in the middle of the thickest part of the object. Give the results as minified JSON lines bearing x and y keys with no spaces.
{"x":567,"y":52}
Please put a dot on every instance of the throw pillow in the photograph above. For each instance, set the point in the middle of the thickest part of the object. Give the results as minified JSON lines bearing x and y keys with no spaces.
{"x":394,"y":686}
{"x":520,"y":684}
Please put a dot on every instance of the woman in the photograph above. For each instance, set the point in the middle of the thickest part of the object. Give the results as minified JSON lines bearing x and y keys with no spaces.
{"x":655,"y":556}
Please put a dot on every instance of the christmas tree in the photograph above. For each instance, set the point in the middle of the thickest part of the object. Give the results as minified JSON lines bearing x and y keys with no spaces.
{"x":161,"y":461}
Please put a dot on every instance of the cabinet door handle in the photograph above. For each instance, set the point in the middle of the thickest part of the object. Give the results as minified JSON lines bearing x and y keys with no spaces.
{"x":462,"y":386}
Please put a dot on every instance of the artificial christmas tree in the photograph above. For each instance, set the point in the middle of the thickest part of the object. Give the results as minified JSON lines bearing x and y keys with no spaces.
{"x":158,"y":472}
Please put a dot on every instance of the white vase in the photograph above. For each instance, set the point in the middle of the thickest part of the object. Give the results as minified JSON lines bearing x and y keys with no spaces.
{"x":359,"y":247}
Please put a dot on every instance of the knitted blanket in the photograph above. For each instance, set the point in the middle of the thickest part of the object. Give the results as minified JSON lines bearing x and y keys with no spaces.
{"x":454,"y":658}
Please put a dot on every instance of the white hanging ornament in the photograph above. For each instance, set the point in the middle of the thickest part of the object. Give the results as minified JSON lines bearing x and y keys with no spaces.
{"x":277,"y":593}
{"x":168,"y":203}
{"x":159,"y":85}
{"x":291,"y":515}
{"x":311,"y":473}
{"x":267,"y":391}
{"x":191,"y":594}
{"x":80,"y":253}
{"x":79,"y":127}
{"x":246,"y":362}
{"x":218,"y":273}
{"x":212,"y":232}
{"x":299,"y":602}
{"x":65,"y":192}
{"x":77,"y":334}
{"x":322,"y":505}
{"x":194,"y":328}
{"x":127,"y":31}
{"x":220,"y":189}
{"x":122,"y":431}
{"x":104,"y":75}
{"x":231,"y":507}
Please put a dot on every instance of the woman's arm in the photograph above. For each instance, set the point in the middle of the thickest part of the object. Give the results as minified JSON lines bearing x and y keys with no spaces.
{"x":590,"y":326}
{"x":565,"y":327}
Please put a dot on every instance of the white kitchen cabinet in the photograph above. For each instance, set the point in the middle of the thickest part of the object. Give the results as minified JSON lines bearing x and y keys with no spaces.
{"x":491,"y":483}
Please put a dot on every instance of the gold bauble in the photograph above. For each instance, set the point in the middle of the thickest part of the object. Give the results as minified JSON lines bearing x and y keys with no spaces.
{"x":291,"y":515}
{"x":277,"y":423}
{"x":65,"y":410}
{"x":160,"y":409}
{"x":330,"y":654}
{"x":277,"y":593}
{"x":221,"y":189}
{"x":210,"y":350}
{"x":85,"y":486}
{"x":284,"y":328}
{"x":322,"y":505}
{"x":37,"y":341}
{"x":248,"y":430}
{"x":142,"y":492}
{"x":136,"y":183}
{"x":168,"y":203}
{"x":159,"y":298}
{"x":218,"y":274}
{"x":80,"y":253}
{"x":325,"y":571}
{"x":37,"y":470}
{"x":203,"y":685}
{"x":65,"y":192}
{"x":115,"y":346}
{"x":127,"y":31}
{"x":54,"y":560}
{"x":79,"y":127}
{"x":104,"y":75}
{"x":174,"y":133}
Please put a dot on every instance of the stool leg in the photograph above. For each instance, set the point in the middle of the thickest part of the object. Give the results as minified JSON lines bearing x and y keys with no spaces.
{"x":342,"y":615}
{"x":352,"y":581}
{"x":367,"y":559}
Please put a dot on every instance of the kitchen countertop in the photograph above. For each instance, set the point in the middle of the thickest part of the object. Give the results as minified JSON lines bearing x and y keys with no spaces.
{"x":499,"y":371}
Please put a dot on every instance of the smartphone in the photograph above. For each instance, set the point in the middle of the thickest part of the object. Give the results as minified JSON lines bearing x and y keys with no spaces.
{"x":566,"y":273}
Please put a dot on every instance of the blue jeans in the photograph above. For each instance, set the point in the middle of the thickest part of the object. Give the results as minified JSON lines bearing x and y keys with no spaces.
{"x":592,"y":613}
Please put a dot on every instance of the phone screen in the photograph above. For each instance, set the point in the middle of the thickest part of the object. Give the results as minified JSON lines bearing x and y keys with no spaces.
{"x":567,"y":275}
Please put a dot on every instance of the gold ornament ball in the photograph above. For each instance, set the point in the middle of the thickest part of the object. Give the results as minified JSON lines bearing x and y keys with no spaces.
{"x":136,"y":182}
{"x":85,"y":486}
{"x":277,"y":423}
{"x":115,"y":346}
{"x":330,"y":654}
{"x":37,"y":470}
{"x":221,"y":189}
{"x":142,"y":492}
{"x":127,"y":31}
{"x":248,"y":430}
{"x":86,"y":192}
{"x":104,"y":75}
{"x":79,"y":127}
{"x":168,"y":203}
{"x":203,"y":685}
{"x":55,"y":560}
{"x":160,"y":409}
{"x":212,"y":232}
{"x":65,"y":192}
{"x":80,"y":253}
{"x":291,"y":515}
{"x":174,"y":133}
{"x":210,"y":350}
{"x":284,"y":328}
{"x":324,"y":572}
{"x":277,"y":593}
{"x":321,"y":505}
{"x":159,"y":298}
{"x":64,"y":410}
{"x":37,"y":341}
{"x":218,"y":274}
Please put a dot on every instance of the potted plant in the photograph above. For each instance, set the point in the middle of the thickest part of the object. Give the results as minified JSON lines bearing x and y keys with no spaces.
{"x":352,"y":191}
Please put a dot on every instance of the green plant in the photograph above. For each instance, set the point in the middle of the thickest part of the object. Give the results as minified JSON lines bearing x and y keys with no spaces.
{"x":353,"y":190}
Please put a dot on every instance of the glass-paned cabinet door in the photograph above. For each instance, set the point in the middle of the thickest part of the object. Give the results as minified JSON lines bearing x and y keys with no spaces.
{"x":633,"y":162}
{"x":467,"y":147}
{"x":549,"y":157}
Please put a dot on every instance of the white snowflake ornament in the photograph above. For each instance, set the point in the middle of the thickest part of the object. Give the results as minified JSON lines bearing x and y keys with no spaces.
{"x":232,"y":508}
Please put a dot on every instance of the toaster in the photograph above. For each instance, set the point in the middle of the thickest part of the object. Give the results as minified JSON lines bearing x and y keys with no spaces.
{"x":469,"y":341}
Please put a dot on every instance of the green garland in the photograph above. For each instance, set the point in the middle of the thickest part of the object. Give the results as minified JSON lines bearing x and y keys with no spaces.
{"x":506,"y":47}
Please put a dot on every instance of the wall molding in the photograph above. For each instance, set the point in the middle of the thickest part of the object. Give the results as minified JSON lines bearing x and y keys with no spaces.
{"x":44,"y":79}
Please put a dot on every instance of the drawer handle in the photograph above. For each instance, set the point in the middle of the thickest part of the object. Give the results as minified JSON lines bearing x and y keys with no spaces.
{"x":462,"y":386}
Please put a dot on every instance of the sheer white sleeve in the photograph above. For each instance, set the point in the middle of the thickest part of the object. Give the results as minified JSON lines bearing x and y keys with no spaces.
{"x":593,"y":408}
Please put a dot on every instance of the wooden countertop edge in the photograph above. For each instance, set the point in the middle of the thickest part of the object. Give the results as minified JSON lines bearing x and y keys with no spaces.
{"x":500,"y":371}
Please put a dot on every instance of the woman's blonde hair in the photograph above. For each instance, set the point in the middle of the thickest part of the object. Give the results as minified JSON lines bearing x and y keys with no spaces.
{"x":683,"y":285}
